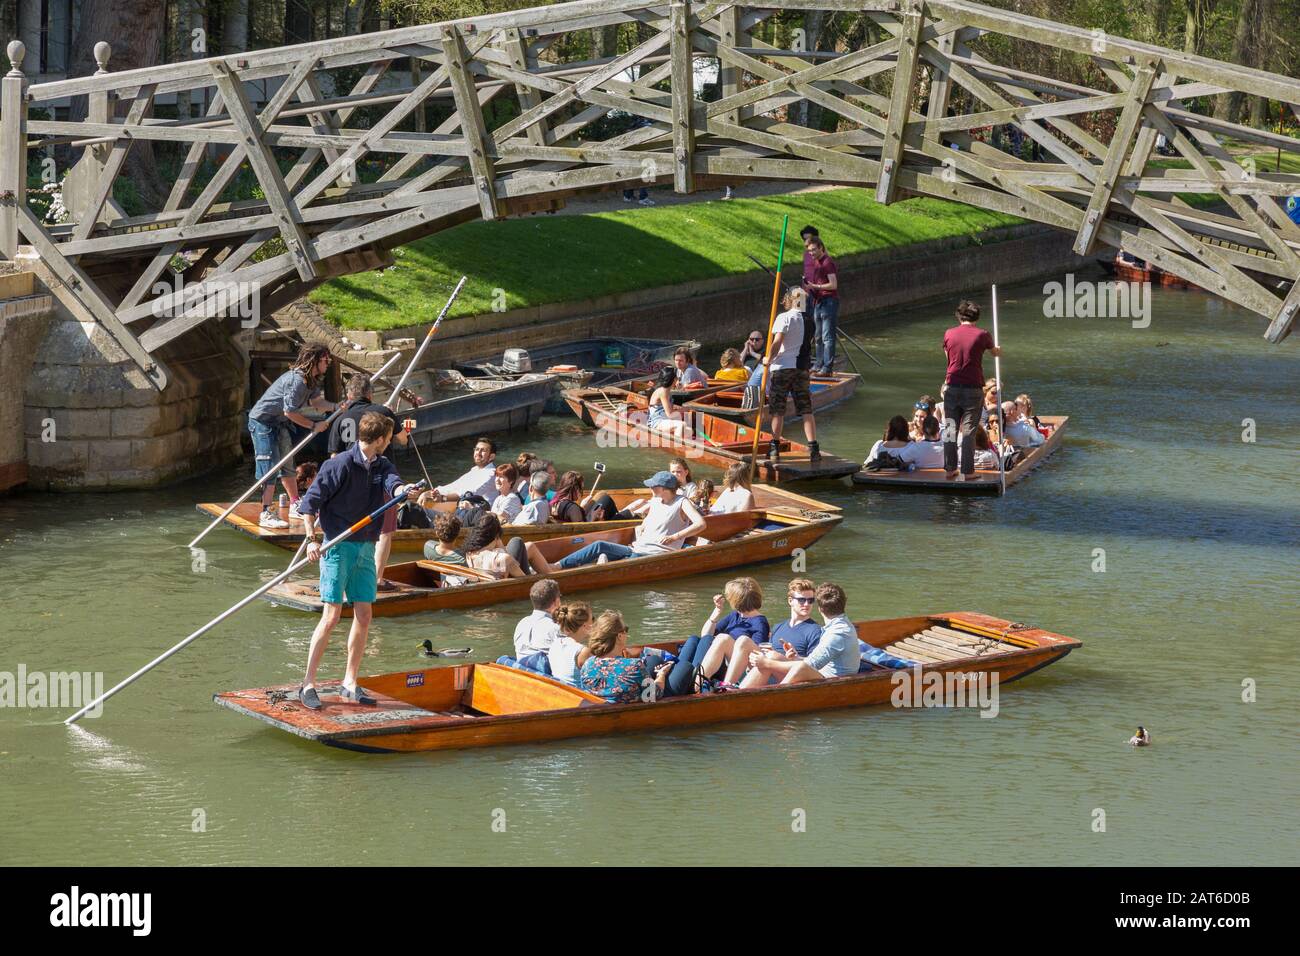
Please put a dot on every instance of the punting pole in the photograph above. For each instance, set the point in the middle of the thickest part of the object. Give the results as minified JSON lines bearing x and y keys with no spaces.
{"x":997,"y":379}
{"x":767,"y":352}
{"x":397,"y":389}
{"x":368,"y":519}
{"x":274,"y":471}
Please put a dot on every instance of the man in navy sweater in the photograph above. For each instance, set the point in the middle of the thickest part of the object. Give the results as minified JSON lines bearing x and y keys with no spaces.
{"x":348,"y":487}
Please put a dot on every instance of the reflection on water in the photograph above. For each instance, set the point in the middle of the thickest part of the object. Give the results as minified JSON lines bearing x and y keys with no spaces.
{"x":1199,"y":532}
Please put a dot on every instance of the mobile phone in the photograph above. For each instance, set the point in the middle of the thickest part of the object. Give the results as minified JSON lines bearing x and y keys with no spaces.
{"x":600,"y":467}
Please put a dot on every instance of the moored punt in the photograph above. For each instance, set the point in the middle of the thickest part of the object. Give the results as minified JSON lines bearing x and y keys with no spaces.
{"x":735,"y":540}
{"x":984,"y":482}
{"x":411,"y":540}
{"x":457,"y":407}
{"x":480,"y":705}
{"x":717,"y":441}
{"x":645,"y":388}
{"x":827,"y":392}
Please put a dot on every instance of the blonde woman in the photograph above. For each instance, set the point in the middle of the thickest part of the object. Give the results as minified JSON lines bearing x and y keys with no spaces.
{"x":733,"y":369}
{"x":736,"y":494}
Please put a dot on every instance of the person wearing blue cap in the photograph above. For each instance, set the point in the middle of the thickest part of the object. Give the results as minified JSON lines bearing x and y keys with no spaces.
{"x":669,"y":521}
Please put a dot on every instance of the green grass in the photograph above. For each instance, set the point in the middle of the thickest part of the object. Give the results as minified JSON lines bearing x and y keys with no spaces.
{"x":540,"y":260}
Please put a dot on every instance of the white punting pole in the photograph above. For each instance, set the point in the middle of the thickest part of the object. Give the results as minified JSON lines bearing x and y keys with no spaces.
{"x":274,"y":470}
{"x":997,"y":378}
{"x":397,"y":389}
{"x":391,"y":503}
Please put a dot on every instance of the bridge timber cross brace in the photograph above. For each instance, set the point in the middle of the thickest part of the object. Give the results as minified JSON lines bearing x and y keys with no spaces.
{"x":900,"y":134}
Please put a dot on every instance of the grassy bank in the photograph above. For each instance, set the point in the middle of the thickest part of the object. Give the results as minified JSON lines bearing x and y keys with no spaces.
{"x":540,"y":260}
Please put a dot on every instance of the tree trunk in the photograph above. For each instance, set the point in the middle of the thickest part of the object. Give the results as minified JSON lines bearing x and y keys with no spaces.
{"x":235,"y":38}
{"x":297,"y":22}
{"x":1245,"y":44}
{"x":813,"y":23}
{"x":1198,"y":14}
{"x":134,"y":29}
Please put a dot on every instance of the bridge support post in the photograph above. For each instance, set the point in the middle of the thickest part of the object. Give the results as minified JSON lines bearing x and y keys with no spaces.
{"x":683,"y":85}
{"x":472,"y":127}
{"x":13,"y":149}
{"x":900,"y":102}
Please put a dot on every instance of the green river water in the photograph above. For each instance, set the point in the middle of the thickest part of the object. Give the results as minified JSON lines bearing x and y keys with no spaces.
{"x":1199,"y":531}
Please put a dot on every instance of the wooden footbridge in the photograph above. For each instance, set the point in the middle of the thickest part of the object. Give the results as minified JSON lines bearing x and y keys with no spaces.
{"x":901,"y":129}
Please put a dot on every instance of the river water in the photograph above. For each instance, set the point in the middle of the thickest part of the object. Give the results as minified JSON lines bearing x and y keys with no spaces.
{"x":1195,"y":609}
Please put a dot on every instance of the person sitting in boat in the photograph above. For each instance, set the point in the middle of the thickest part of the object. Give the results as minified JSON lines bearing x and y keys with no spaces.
{"x":537,"y":632}
{"x":990,"y":400}
{"x":1019,"y":431}
{"x":752,"y":354}
{"x":610,"y":674}
{"x":484,"y":551}
{"x":897,"y":436}
{"x":538,"y":508}
{"x":928,"y":452}
{"x":663,"y":414}
{"x":686,"y":373}
{"x":568,"y":652}
{"x":686,"y":487}
{"x":800,"y":634}
{"x":479,"y":480}
{"x":732,"y":368}
{"x":524,"y":465}
{"x":986,"y":457}
{"x":670,"y":520}
{"x":1026,"y":406}
{"x":506,"y":505}
{"x":837,"y":653}
{"x":702,"y":495}
{"x":547,"y":467}
{"x":725,"y":643}
{"x":569,"y":504}
{"x":922,"y":407}
{"x":446,"y":529}
{"x":737,"y":494}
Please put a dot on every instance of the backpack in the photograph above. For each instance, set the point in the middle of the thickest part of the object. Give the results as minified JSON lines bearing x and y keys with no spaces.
{"x":886,"y":462}
{"x":411,"y":515}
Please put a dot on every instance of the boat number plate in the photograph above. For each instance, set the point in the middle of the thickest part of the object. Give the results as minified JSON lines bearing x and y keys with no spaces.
{"x":779,"y":543}
{"x":415,"y":680}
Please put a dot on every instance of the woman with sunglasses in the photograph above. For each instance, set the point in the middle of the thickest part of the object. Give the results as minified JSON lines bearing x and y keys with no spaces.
{"x":924,"y":406}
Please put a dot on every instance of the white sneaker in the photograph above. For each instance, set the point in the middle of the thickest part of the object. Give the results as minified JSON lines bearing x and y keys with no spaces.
{"x":270,"y":519}
{"x":293,"y":512}
{"x":647,"y":202}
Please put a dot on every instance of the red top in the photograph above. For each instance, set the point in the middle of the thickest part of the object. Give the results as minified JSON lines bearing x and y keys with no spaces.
{"x":966,"y":345}
{"x":817,"y":270}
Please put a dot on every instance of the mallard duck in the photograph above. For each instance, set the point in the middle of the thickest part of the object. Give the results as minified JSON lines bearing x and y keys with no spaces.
{"x":426,"y":650}
{"x":1139,"y":739}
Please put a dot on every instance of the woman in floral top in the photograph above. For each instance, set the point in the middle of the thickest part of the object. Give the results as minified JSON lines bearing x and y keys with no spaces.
{"x":610,"y":674}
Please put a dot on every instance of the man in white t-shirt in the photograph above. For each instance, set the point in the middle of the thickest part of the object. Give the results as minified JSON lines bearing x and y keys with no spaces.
{"x":481,"y":479}
{"x":788,"y":376}
{"x":928,"y":452}
{"x":1020,"y":430}
{"x":538,"y":631}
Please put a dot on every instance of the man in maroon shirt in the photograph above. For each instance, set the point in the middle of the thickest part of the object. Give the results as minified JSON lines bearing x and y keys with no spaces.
{"x":963,"y":390}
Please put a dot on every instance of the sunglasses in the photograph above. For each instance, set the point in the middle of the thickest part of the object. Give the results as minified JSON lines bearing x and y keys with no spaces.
{"x":804,"y":600}
{"x":924,"y":406}
{"x":755,"y":338}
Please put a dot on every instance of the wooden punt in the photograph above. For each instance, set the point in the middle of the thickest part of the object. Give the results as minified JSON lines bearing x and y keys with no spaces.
{"x":718,"y":441}
{"x":411,"y":540}
{"x":984,"y":483}
{"x":645,"y":388}
{"x":735,"y":540}
{"x":481,"y":705}
{"x":827,"y":392}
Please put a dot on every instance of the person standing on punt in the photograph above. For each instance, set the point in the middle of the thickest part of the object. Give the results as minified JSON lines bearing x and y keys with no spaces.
{"x":963,"y":389}
{"x":343,"y":435}
{"x":271,"y":421}
{"x":787,"y":377}
{"x":821,"y":279}
{"x":347,"y":488}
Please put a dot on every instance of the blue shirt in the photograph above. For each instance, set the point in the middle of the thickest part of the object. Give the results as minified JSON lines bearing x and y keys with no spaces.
{"x":346,"y":489}
{"x":803,"y":637}
{"x":288,"y":393}
{"x":836,"y":653}
{"x":755,"y":628}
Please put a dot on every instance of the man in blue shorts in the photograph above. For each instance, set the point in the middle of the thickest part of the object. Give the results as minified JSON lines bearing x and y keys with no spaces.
{"x":348,"y":487}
